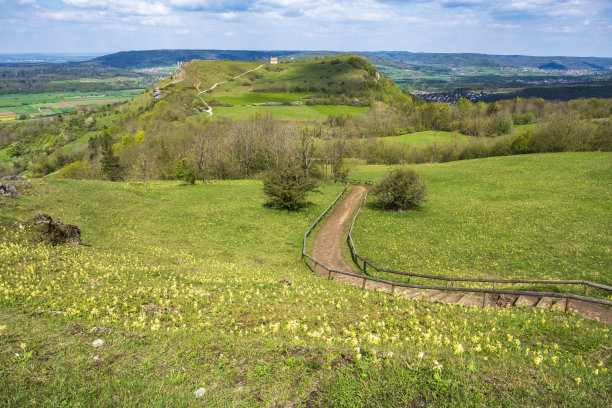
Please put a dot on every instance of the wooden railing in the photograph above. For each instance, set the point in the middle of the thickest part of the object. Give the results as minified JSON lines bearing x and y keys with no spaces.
{"x":450,"y":281}
{"x":362,"y":263}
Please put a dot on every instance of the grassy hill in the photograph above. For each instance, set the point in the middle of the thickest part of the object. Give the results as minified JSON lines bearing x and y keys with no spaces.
{"x":530,"y":216}
{"x":345,"y":80}
{"x":182,"y":284}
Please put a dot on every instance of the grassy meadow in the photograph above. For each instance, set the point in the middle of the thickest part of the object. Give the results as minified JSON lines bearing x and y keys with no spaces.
{"x":528,"y":216}
{"x":182,"y":285}
{"x":316,"y":113}
{"x":427,"y":138}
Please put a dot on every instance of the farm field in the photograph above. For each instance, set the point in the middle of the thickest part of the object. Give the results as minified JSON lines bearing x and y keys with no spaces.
{"x":182,"y":285}
{"x":316,"y":113}
{"x":528,"y":216}
{"x":427,"y":138}
{"x":33,"y":105}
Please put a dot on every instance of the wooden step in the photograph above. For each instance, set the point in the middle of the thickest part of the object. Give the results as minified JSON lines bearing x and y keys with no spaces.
{"x":526,"y":301}
{"x":545,"y":302}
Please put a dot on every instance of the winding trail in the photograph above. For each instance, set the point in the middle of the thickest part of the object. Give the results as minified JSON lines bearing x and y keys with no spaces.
{"x":330,"y":243}
{"x":198,"y":83}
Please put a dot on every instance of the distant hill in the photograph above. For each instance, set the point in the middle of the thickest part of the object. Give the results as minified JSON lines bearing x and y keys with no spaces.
{"x":399,"y":59}
{"x":151,"y":58}
{"x":553,"y":65}
{"x":461,"y":60}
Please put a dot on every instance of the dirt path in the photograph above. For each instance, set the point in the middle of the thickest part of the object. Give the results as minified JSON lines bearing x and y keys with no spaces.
{"x":331,"y":237}
{"x":198,"y":83}
{"x":330,"y":241}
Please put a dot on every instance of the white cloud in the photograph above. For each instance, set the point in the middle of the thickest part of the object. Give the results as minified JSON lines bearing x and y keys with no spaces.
{"x":123,"y":7}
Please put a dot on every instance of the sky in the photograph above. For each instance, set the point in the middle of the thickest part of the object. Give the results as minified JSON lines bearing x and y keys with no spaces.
{"x":526,"y":27}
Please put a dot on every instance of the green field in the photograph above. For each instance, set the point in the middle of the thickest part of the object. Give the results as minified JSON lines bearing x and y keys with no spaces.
{"x":262,"y":97}
{"x":182,"y":284}
{"x":530,"y":216}
{"x":51,"y":103}
{"x":317,"y":113}
{"x":427,"y":138}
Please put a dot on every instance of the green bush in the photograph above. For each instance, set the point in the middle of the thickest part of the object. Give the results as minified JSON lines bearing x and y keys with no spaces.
{"x":185,"y":171}
{"x":77,"y":170}
{"x":287,"y":187}
{"x":401,"y":190}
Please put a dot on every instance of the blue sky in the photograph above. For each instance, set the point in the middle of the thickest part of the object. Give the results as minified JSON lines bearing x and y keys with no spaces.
{"x":530,"y":27}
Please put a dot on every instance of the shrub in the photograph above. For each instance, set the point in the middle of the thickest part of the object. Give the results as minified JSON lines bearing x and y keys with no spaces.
{"x":524,"y":119}
{"x":524,"y":143}
{"x":185,"y":171}
{"x":287,"y":187}
{"x":77,"y":170}
{"x":401,"y":190}
{"x":563,"y":133}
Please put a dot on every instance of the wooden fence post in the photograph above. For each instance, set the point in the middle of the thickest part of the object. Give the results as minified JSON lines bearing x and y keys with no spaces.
{"x":567,"y":305}
{"x":484,"y":300}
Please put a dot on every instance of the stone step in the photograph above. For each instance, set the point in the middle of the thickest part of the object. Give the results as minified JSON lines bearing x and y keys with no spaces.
{"x":470,"y":299}
{"x":560,"y":305}
{"x":545,"y":302}
{"x":526,"y":300}
{"x":408,"y":292}
{"x":452,"y":297}
{"x":506,"y":300}
{"x":429,"y":293}
{"x":438,"y":296}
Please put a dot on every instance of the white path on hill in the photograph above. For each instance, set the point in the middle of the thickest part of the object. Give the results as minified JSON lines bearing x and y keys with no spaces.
{"x":208,"y":107}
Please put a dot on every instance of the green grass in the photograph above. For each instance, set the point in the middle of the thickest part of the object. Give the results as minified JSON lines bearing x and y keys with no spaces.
{"x":530,"y":216}
{"x":521,"y":128}
{"x":317,"y":113}
{"x":262,"y":97}
{"x":184,"y":282}
{"x":427,"y":138}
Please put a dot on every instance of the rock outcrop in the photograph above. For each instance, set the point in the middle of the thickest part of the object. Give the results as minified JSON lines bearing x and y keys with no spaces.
{"x":57,"y":232}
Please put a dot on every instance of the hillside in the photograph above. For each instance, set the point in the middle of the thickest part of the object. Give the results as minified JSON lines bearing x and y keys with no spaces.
{"x":187,"y":288}
{"x":290,"y":89}
{"x":152,"y":58}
